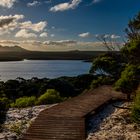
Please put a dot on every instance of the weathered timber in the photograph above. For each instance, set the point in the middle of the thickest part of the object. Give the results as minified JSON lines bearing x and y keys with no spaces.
{"x":66,"y":121}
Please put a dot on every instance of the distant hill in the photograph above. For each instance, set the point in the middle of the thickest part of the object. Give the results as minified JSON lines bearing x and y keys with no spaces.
{"x":16,"y":53}
{"x":11,"y":49}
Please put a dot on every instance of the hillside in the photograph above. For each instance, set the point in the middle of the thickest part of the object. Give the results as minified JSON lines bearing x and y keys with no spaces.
{"x":17,"y":53}
{"x":11,"y":49}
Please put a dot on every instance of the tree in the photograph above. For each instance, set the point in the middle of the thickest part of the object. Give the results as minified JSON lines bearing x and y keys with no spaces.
{"x":128,"y":82}
{"x":133,"y":28}
{"x":131,"y":50}
{"x":108,"y":64}
{"x":109,"y":42}
{"x":130,"y":77}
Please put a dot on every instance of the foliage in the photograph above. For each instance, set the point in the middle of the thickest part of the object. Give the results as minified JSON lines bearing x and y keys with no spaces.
{"x":4,"y":105}
{"x":107,"y":64}
{"x":133,"y":28}
{"x":128,"y":81}
{"x":64,"y":88}
{"x":131,"y":50}
{"x":49,"y":97}
{"x":24,"y":102}
{"x":102,"y":80}
{"x":17,"y":127}
{"x":136,"y":108}
{"x":80,"y":82}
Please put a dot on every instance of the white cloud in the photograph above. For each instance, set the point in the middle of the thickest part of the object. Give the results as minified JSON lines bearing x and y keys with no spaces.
{"x":9,"y":23}
{"x":34,"y":3}
{"x":44,"y":34}
{"x":115,"y":37}
{"x":37,"y":27}
{"x":8,"y":20}
{"x":23,"y":33}
{"x":7,"y":3}
{"x":107,"y":36}
{"x":85,"y":35}
{"x":61,"y":43}
{"x":52,"y":35}
{"x":31,"y":42}
{"x":10,"y":42}
{"x":66,"y":6}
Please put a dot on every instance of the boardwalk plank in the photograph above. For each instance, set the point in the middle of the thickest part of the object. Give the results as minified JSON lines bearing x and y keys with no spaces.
{"x":66,"y":121}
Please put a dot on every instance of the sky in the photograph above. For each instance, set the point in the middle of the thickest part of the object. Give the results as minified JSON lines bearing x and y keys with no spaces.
{"x":59,"y":25}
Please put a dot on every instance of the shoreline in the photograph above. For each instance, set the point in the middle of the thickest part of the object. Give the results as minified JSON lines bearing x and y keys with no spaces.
{"x":34,"y":55}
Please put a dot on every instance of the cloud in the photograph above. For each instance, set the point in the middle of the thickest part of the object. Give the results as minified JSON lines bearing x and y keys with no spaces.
{"x":61,"y":42}
{"x":31,"y":42}
{"x":44,"y":34}
{"x":52,"y":35}
{"x":9,"y":23}
{"x":23,"y":33}
{"x":84,"y":35}
{"x":34,"y":3}
{"x":48,"y":1}
{"x":66,"y":6}
{"x":10,"y":42}
{"x":96,"y":1}
{"x":37,"y":27}
{"x":8,"y":20}
{"x":107,"y":36}
{"x":62,"y":45}
{"x":115,"y":37}
{"x":7,"y":3}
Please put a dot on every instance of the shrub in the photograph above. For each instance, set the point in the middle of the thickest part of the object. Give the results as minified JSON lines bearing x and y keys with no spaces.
{"x":136,"y":108}
{"x":24,"y":102}
{"x":102,"y":80}
{"x":49,"y":97}
{"x":17,"y":127}
{"x":128,"y":81}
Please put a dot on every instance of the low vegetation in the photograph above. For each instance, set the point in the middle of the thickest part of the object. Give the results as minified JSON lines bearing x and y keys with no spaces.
{"x":22,"y":93}
{"x":51,"y":96}
{"x":24,"y":102}
{"x":136,"y":109}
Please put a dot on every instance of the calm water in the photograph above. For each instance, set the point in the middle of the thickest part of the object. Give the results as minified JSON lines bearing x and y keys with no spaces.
{"x":42,"y":68}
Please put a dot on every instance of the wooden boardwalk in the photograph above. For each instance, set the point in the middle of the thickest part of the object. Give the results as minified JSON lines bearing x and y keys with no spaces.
{"x":66,"y":121}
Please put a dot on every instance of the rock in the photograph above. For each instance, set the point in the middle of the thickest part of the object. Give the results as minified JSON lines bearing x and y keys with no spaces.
{"x":18,"y":121}
{"x":115,"y":125}
{"x":2,"y":136}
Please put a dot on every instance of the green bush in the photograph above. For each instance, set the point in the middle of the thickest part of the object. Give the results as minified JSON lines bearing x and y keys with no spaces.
{"x":49,"y":97}
{"x":24,"y":102}
{"x":102,"y":80}
{"x":128,"y":80}
{"x":136,"y":109}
